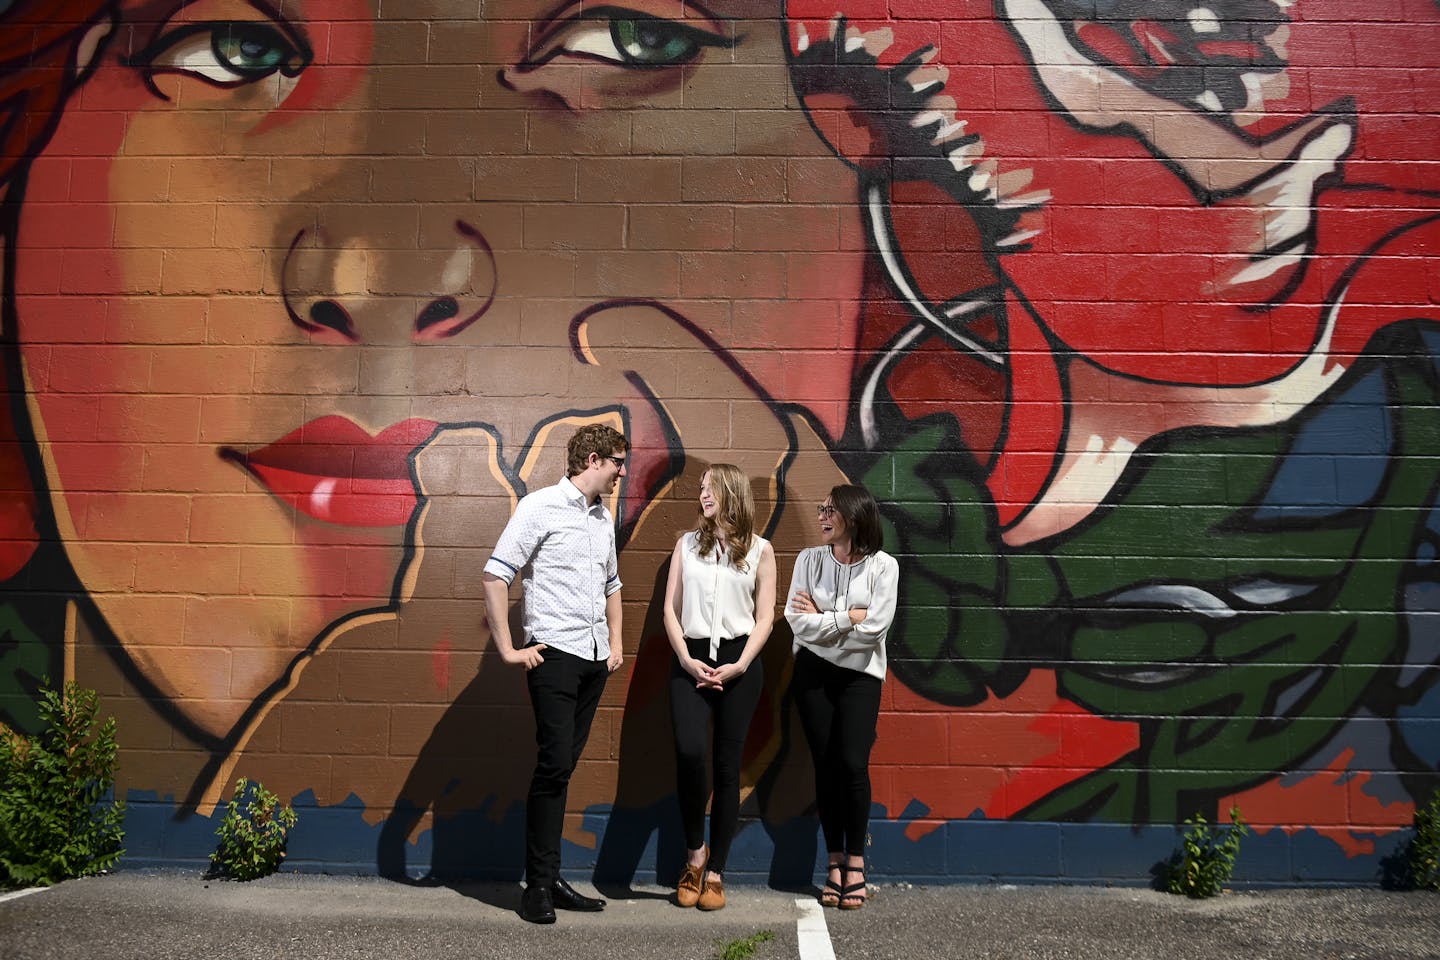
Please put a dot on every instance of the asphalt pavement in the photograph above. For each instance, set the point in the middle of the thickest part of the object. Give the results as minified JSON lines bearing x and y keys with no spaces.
{"x":165,"y":914}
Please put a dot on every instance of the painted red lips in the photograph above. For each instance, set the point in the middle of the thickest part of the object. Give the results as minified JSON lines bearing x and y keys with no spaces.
{"x":332,"y":469}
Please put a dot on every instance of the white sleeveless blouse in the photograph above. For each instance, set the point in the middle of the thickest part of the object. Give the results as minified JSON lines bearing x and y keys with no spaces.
{"x":717,"y":601}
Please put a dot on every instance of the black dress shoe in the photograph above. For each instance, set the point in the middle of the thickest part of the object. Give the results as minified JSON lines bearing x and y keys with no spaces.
{"x":536,"y":905}
{"x":567,"y":897}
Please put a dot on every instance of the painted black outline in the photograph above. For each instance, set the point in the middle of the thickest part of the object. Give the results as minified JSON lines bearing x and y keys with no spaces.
{"x":418,"y":325}
{"x":160,"y":41}
{"x":538,"y":56}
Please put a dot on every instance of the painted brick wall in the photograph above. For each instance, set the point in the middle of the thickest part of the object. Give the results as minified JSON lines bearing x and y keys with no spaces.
{"x":1124,"y":310}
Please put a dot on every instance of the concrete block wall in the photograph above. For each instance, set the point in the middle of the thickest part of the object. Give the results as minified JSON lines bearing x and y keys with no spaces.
{"x":1125,"y":311}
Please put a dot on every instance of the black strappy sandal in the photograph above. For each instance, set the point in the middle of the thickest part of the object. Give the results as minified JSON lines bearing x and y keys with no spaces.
{"x":831,"y":893}
{"x":853,"y":896}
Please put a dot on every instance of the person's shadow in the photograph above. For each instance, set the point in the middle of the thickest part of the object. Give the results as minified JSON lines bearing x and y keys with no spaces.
{"x":472,"y":775}
{"x":473,"y":772}
{"x":645,"y":800}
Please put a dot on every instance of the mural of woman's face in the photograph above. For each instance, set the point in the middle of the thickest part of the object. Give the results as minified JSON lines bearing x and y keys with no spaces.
{"x":265,"y":256}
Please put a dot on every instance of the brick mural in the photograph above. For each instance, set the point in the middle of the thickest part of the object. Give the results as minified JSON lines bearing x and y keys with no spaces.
{"x":1126,"y":310}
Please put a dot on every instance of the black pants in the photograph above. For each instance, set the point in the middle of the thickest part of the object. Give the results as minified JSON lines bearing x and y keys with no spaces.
{"x":838,"y":709}
{"x":564,"y":692}
{"x":691,"y":713}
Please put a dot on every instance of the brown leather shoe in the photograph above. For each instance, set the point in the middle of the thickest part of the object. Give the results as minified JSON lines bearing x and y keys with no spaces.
{"x":687,"y":894}
{"x":712,"y":897}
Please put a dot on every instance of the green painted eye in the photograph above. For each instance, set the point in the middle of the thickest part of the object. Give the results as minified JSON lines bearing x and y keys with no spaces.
{"x":651,"y":42}
{"x":251,"y":50}
{"x":225,"y":53}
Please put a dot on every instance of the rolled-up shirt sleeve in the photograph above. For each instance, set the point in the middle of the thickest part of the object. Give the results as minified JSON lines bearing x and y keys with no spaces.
{"x":517,"y":544}
{"x":612,"y":571}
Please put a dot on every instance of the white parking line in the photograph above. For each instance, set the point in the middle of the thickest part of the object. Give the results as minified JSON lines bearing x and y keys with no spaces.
{"x":21,"y":893}
{"x":813,"y":935}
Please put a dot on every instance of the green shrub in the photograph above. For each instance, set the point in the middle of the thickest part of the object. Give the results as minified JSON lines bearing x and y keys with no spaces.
{"x":1424,"y":854}
{"x":1207,"y":856}
{"x":53,"y":822}
{"x":253,"y":834}
{"x":744,"y":948}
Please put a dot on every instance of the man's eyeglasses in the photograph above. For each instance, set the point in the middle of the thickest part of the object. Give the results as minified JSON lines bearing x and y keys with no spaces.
{"x":824,"y":511}
{"x":618,"y":461}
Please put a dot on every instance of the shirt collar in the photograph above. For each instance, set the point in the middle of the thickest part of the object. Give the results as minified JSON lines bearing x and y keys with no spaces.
{"x":574,"y":495}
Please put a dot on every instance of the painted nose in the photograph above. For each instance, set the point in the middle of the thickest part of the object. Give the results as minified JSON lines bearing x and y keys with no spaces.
{"x":351,"y":288}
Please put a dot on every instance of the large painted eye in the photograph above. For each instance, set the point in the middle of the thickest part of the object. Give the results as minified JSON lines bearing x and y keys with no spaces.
{"x":225,"y":53}
{"x":629,"y":38}
{"x":252,"y":50}
{"x":651,"y":42}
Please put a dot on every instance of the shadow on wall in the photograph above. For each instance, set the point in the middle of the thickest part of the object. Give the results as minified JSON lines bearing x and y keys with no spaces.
{"x":470,"y":775}
{"x":646,"y":809}
{"x":474,"y":771}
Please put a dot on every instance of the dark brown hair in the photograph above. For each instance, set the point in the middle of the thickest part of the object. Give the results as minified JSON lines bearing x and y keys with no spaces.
{"x":594,"y":438}
{"x":862,"y":517}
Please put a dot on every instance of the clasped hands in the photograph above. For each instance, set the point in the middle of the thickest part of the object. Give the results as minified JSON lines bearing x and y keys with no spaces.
{"x":712,"y":678}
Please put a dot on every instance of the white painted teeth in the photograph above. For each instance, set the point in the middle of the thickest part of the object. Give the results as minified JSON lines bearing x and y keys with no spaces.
{"x":949,"y":130}
{"x":1017,"y":238}
{"x":1209,"y":101}
{"x":1034,"y":199}
{"x":964,"y":155}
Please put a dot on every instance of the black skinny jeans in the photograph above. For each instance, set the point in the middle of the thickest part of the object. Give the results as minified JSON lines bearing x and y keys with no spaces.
{"x":691,"y":712}
{"x":838,"y":709}
{"x":564,"y":692}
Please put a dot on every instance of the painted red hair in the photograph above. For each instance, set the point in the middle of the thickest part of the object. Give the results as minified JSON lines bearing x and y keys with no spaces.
{"x":39,"y":41}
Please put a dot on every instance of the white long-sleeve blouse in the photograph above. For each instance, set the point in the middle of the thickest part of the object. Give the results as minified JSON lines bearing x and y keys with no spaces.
{"x":871,"y":582}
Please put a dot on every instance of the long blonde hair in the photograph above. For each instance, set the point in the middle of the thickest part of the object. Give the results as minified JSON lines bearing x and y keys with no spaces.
{"x":734,"y":514}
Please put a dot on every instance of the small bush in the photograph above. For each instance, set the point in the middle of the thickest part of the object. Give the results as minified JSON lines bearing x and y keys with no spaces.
{"x":1424,"y":853}
{"x":1207,"y":856}
{"x":53,"y":822}
{"x":253,"y":833}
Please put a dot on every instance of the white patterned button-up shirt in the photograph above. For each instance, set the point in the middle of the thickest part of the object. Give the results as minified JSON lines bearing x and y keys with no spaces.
{"x":564,"y":551}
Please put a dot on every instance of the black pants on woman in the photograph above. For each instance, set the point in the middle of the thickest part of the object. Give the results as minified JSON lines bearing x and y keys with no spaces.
{"x":838,"y":710}
{"x":692,"y":712}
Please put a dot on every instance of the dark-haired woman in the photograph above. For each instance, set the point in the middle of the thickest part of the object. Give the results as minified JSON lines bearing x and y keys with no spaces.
{"x":842,"y":602}
{"x":719,"y":609}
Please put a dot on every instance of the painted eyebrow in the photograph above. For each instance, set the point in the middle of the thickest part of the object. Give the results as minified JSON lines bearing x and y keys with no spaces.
{"x":549,"y":49}
{"x":552,"y":20}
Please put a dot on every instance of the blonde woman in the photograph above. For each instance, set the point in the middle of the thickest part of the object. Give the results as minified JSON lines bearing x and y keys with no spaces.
{"x":719,"y":608}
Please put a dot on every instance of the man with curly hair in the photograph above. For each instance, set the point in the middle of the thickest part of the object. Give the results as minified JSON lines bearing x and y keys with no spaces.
{"x":561,"y":540}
